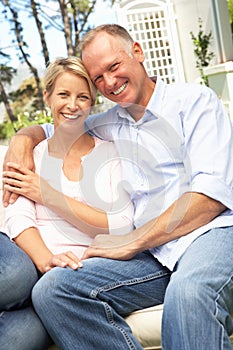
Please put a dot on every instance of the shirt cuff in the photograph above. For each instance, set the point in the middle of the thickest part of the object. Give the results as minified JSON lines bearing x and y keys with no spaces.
{"x":215,"y":188}
{"x":19,"y":224}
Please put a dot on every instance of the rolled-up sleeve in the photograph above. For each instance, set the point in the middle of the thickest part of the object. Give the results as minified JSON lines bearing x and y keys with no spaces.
{"x":19,"y":217}
{"x":209,"y":145}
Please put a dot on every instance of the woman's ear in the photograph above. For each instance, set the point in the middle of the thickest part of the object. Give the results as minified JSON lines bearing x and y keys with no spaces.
{"x":138,"y":52}
{"x":46,"y":98}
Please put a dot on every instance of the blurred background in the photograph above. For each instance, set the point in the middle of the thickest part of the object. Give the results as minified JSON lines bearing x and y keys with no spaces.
{"x":183,"y":40}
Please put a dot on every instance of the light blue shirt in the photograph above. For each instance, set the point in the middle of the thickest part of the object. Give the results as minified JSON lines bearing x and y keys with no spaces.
{"x":183,"y":143}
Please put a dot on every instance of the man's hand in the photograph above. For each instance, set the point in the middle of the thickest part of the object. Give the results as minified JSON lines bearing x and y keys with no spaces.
{"x":113,"y":247}
{"x":21,"y":181}
{"x":20,"y":151}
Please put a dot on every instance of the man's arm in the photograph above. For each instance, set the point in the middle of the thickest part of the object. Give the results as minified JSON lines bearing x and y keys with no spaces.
{"x":20,"y":151}
{"x":189,"y":212}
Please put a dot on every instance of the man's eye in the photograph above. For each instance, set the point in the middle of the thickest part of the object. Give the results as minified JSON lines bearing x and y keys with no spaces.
{"x":114,"y":67}
{"x":98,"y":79}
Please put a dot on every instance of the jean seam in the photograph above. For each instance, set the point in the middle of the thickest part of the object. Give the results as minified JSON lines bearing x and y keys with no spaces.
{"x":96,"y":291}
{"x":228,"y":281}
{"x":113,"y":323}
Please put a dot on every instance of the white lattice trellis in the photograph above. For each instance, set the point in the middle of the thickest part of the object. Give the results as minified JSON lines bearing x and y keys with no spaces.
{"x":153,"y":25}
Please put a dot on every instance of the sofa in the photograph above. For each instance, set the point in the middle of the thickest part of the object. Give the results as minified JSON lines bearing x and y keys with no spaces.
{"x":145,"y":324}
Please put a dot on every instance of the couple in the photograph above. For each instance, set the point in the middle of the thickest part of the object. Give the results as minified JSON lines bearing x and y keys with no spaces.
{"x":175,"y":144}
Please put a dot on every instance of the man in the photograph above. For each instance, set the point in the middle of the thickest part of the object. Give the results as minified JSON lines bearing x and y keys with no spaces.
{"x":176,"y":147}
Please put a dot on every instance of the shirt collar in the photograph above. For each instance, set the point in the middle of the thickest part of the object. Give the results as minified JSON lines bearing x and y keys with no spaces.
{"x":154,"y":106}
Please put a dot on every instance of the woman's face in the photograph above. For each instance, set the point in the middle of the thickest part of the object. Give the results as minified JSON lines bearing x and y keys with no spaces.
{"x":70,"y":101}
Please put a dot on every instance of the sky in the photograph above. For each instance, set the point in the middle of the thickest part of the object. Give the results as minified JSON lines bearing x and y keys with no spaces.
{"x":55,"y":39}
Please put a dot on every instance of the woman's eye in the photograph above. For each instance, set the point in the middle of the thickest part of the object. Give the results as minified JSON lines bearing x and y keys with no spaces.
{"x":62,"y":94}
{"x":84,"y":98}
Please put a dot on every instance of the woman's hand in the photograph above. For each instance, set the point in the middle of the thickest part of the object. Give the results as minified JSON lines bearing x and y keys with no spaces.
{"x":66,"y":259}
{"x":24,"y":182}
{"x":20,"y":150}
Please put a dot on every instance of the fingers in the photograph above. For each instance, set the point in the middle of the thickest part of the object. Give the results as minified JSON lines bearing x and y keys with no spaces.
{"x":18,"y":168}
{"x":8,"y":197}
{"x":67,"y":259}
{"x":93,"y":252}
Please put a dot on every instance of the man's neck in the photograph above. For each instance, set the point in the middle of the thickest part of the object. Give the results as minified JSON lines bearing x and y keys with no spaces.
{"x":137,"y":111}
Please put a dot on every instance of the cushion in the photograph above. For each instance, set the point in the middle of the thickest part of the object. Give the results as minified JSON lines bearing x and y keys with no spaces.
{"x":146,"y":326}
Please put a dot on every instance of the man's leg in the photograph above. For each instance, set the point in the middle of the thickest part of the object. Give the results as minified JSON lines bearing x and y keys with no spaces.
{"x":199,"y":298}
{"x":20,"y":327}
{"x":85,"y":309}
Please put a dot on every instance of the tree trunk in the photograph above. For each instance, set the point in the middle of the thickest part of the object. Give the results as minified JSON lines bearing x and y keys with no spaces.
{"x":6,"y":103}
{"x":41,"y":32}
{"x":67,"y":27}
{"x":34,"y":71}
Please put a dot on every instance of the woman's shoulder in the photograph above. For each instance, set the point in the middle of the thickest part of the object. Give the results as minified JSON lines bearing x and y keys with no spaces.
{"x":107,"y":145}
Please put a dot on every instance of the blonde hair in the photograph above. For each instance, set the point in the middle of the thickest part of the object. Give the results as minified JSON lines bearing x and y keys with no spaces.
{"x":111,"y":29}
{"x":70,"y":64}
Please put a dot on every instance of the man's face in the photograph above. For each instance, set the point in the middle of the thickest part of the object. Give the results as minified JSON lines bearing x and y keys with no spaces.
{"x":118,"y":74}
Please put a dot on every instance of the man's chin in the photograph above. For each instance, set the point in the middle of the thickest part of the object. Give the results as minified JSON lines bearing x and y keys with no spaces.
{"x":124,"y":104}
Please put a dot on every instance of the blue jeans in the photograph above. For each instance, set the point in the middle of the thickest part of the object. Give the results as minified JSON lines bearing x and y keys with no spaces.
{"x":20,"y":327}
{"x":85,"y":309}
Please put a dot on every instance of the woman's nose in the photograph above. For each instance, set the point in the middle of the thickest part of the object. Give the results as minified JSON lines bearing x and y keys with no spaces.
{"x":72,"y":105}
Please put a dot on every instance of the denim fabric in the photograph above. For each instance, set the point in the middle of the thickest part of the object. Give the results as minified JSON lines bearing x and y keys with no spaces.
{"x":84,"y":309}
{"x":199,"y":297}
{"x":20,"y":327}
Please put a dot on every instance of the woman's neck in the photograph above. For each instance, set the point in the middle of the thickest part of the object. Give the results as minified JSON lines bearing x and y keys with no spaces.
{"x":61,"y":145}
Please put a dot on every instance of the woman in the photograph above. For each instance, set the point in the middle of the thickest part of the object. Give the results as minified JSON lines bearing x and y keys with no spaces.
{"x":78,"y":194}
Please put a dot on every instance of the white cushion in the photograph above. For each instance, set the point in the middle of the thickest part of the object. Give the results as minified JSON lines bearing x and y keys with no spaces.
{"x":146,"y":326}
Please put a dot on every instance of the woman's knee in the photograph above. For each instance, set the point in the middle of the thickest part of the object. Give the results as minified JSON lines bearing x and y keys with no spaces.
{"x":22,"y":330}
{"x":17,"y":275}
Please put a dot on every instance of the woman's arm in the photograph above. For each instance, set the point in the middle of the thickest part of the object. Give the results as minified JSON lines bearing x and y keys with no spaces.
{"x":88,"y":219}
{"x":116,"y":217}
{"x":32,"y":243}
{"x":21,"y":226}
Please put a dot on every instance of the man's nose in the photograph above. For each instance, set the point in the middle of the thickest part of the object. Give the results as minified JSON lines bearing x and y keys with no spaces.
{"x":109,"y":80}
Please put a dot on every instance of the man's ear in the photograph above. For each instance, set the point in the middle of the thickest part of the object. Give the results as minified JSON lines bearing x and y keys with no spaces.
{"x":138,"y":52}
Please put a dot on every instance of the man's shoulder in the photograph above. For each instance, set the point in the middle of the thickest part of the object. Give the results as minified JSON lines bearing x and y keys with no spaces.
{"x":102,"y":119}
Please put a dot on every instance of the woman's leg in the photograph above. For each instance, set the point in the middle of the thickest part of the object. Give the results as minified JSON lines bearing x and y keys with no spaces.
{"x":85,"y":309}
{"x":17,"y":275}
{"x":22,"y":330}
{"x":20,"y":327}
{"x":199,"y":298}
